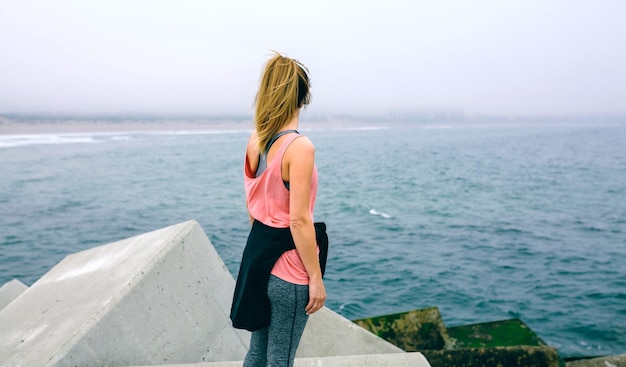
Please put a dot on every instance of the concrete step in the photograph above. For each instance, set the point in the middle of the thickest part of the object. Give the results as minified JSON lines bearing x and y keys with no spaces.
{"x":379,"y":360}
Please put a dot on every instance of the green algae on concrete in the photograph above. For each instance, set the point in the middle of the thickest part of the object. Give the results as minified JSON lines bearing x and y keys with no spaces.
{"x":502,"y":333}
{"x":516,"y":356}
{"x":507,"y":343}
{"x":412,"y":331}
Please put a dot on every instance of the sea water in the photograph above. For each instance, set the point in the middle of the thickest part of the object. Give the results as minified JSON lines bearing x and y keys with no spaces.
{"x":484,"y":222}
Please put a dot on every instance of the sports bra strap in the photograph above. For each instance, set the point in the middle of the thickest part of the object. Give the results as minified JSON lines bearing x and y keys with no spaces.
{"x":275,"y":137}
{"x":263,"y":156}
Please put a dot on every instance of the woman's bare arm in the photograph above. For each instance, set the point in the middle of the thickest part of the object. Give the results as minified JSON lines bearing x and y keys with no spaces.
{"x":252,"y":160}
{"x":299,"y":160}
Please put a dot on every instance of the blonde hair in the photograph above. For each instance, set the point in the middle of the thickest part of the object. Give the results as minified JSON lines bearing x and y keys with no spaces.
{"x":283,"y":90}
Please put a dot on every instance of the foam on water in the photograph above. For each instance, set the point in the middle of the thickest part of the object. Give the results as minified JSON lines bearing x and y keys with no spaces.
{"x":18,"y":140}
{"x":376,"y":212}
{"x":9,"y":141}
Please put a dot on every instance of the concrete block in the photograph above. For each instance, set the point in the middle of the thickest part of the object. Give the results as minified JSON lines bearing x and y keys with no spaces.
{"x":162,"y":297}
{"x":610,"y":361}
{"x":517,"y":356}
{"x":157,"y":298}
{"x":10,"y":291}
{"x":330,"y":334}
{"x":378,"y":360}
{"x":503,"y":333}
{"x":411,"y":331}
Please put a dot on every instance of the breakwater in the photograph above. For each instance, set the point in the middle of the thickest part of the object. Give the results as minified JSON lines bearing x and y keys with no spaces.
{"x":160,"y":298}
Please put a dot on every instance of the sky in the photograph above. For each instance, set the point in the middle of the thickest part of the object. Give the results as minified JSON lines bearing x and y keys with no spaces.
{"x":365,"y":57}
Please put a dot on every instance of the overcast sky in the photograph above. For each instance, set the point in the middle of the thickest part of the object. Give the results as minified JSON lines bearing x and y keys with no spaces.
{"x":179,"y":56}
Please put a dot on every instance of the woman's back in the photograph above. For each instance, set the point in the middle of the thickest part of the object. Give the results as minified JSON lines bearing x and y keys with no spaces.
{"x":267,"y":192}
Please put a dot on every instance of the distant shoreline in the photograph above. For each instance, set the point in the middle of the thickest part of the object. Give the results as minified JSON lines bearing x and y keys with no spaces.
{"x":18,"y":128}
{"x":45,"y":126}
{"x":102,"y":126}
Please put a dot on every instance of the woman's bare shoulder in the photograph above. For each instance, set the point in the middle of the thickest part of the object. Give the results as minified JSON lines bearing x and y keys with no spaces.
{"x":302,"y":144}
{"x":301,"y":151}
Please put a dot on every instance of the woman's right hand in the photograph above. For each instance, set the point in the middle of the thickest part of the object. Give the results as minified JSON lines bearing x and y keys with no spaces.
{"x":317,"y":296}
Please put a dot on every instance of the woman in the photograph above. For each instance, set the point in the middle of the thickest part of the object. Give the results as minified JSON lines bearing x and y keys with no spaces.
{"x":280,"y":278}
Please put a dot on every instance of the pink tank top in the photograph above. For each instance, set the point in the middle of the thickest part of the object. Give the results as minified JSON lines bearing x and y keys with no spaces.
{"x":268,"y":202}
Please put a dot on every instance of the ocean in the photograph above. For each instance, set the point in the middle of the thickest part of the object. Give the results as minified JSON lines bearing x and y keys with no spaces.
{"x":484,"y":222}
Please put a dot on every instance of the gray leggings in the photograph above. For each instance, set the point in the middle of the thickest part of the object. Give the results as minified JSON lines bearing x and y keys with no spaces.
{"x":275,"y":345}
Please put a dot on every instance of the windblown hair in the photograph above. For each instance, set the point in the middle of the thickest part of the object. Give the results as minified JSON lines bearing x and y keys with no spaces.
{"x":284,"y":89}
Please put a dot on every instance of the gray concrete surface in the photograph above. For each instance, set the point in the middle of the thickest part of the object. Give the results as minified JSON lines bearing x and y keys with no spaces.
{"x":612,"y":361}
{"x":330,"y":334}
{"x":159,"y":298}
{"x":10,"y":291}
{"x":374,"y":360}
{"x":151,"y":299}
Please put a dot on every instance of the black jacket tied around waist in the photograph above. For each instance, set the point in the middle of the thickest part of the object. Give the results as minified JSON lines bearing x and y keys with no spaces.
{"x":251,"y":306}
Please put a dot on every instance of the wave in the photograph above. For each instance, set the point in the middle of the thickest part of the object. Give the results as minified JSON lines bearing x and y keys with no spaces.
{"x":376,"y":212}
{"x":20,"y":140}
